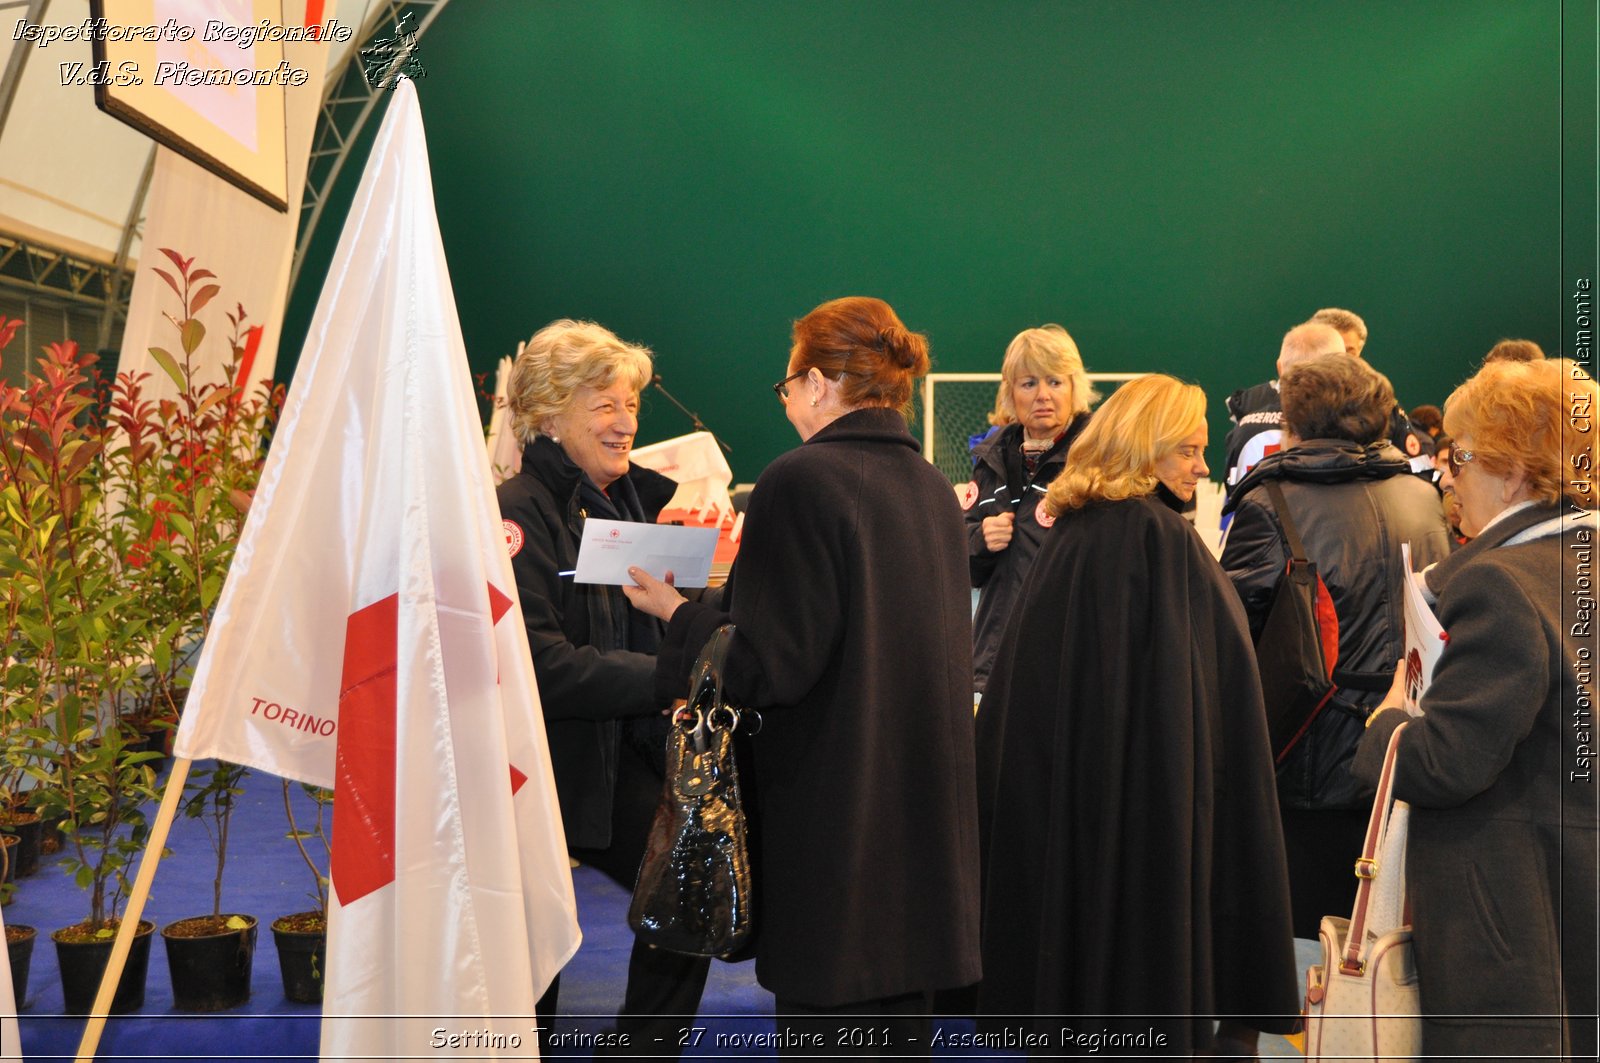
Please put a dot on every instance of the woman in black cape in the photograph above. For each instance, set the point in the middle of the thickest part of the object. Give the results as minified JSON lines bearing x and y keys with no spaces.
{"x":1134,"y":880}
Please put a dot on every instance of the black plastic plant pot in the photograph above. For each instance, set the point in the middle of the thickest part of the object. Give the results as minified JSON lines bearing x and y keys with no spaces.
{"x":302,"y":958}
{"x":28,"y":828}
{"x":210,"y":971}
{"x":19,"y":950}
{"x":84,"y":962}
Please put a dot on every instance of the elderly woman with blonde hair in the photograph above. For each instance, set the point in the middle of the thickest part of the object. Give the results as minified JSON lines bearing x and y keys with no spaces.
{"x":1134,"y":866}
{"x":1501,"y":865}
{"x":574,"y":399}
{"x":1042,"y":406}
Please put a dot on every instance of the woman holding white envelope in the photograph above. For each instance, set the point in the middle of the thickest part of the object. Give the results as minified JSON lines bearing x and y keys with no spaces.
{"x":574,"y":399}
{"x":1501,"y":865}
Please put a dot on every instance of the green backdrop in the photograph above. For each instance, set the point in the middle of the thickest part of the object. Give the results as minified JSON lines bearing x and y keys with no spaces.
{"x":1175,"y":182}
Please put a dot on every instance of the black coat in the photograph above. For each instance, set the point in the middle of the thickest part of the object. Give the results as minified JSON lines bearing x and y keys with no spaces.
{"x":851,"y":600}
{"x":1354,"y":507}
{"x":1501,"y":862}
{"x":1133,"y":856}
{"x":1000,"y":576}
{"x":578,"y":633}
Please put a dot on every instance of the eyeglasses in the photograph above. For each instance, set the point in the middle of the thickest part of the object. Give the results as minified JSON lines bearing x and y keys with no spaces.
{"x":781,"y":388}
{"x":1459,"y":458}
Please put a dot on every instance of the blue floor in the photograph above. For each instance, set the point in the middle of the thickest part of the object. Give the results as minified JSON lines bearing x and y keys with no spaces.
{"x":266,"y":878}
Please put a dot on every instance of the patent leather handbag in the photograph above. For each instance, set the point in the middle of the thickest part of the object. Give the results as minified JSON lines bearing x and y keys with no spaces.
{"x":693,"y":893}
{"x":1361,"y":1000}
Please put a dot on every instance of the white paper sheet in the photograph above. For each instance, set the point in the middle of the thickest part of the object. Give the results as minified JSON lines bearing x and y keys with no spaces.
{"x":1425,"y":639}
{"x":609,"y":547}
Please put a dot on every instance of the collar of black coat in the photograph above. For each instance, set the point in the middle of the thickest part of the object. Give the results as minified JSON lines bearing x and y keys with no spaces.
{"x":1503,"y":530}
{"x":869,"y":424}
{"x":1322,"y":461}
{"x":992,"y":450}
{"x":545,"y":460}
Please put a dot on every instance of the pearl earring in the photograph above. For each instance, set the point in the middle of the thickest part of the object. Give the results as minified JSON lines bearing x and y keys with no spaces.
{"x":813,"y":400}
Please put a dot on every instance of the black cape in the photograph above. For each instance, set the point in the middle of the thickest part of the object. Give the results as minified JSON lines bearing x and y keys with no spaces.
{"x":1133,"y":856}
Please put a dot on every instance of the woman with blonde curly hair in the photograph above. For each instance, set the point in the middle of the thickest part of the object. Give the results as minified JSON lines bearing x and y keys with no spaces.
{"x":1501,"y":865}
{"x":574,"y":399}
{"x":1042,"y":406}
{"x":1134,"y":866}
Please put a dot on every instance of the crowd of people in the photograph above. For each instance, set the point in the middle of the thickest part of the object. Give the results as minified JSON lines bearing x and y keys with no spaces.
{"x":1111,"y":836}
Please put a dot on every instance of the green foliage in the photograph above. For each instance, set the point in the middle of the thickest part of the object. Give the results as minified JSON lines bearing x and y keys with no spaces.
{"x":119,"y":514}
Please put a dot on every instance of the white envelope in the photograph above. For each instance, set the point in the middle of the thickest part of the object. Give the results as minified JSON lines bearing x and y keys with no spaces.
{"x":609,"y":547}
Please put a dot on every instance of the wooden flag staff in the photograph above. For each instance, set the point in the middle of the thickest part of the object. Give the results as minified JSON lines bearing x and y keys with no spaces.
{"x":90,"y":1045}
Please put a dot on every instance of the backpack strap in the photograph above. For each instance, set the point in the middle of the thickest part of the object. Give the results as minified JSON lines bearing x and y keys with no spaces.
{"x":1297,"y":550}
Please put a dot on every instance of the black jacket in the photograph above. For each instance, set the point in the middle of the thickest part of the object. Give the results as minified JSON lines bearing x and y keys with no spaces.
{"x":851,"y":600}
{"x":998,"y":489}
{"x":1353,"y":507}
{"x":579,"y":633}
{"x":1134,"y":861}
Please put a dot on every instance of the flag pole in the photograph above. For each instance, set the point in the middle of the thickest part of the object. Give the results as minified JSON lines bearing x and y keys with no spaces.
{"x":133,"y":910}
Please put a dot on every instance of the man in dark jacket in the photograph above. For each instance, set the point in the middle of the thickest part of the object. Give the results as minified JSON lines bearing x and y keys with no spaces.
{"x":1354,"y":506}
{"x":1257,"y":413}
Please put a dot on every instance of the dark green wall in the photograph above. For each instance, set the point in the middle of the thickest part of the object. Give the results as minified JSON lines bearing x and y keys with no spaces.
{"x":1176,"y":182}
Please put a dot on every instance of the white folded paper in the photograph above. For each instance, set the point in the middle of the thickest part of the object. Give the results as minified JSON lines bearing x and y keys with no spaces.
{"x":1425,"y":638}
{"x":609,"y":547}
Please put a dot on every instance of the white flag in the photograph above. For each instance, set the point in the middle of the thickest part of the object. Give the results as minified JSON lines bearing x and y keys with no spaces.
{"x":10,"y":1039}
{"x":368,"y":638}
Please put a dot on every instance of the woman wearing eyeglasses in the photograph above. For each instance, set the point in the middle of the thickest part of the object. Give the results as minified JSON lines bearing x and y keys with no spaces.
{"x":1501,"y":867}
{"x":852,"y":608}
{"x":1354,"y":503}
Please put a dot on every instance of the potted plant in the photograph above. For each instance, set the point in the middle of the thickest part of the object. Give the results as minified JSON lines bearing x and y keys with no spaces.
{"x":69,"y":654}
{"x":210,"y":956}
{"x":118,"y":516}
{"x":301,"y":938}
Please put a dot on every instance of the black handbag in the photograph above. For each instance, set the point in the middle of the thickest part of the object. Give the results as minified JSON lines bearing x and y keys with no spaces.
{"x":693,"y":893}
{"x":1298,"y":645}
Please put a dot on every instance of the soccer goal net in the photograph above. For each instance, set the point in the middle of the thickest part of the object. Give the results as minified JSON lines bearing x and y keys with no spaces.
{"x":952,"y":409}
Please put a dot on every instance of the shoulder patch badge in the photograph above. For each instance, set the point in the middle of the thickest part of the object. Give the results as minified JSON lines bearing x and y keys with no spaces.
{"x":514,"y":537}
{"x":967,"y":495}
{"x":1042,"y":516}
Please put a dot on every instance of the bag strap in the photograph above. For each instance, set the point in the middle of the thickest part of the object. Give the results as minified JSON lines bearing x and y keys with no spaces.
{"x":1367,"y":869}
{"x":1297,"y":550}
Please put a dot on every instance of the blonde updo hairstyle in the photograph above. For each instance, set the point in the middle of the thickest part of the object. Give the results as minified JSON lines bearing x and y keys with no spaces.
{"x":1115,"y":458}
{"x":863,"y":339}
{"x":1534,"y":417}
{"x":562,"y":357}
{"x":1044,"y":351}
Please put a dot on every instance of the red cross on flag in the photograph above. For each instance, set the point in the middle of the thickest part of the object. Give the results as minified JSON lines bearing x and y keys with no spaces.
{"x":368,"y":639}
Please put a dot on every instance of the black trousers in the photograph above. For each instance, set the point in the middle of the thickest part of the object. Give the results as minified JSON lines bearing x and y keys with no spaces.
{"x":899,"y":1026}
{"x":664,"y":988}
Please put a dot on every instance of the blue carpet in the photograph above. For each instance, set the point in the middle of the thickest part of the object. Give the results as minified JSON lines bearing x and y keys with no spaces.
{"x":266,"y":878}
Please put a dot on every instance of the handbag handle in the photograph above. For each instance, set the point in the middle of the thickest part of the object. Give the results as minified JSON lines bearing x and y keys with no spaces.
{"x":706,"y":703}
{"x":1367,"y":869}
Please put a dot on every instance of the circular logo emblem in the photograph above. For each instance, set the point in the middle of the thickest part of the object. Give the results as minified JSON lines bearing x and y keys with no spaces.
{"x":514,"y":537}
{"x":1042,"y":516}
{"x":615,"y":533}
{"x":1413,"y":445}
{"x":967,"y":495}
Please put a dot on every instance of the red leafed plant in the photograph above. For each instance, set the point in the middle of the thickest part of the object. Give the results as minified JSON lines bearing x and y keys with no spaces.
{"x":119,"y":512}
